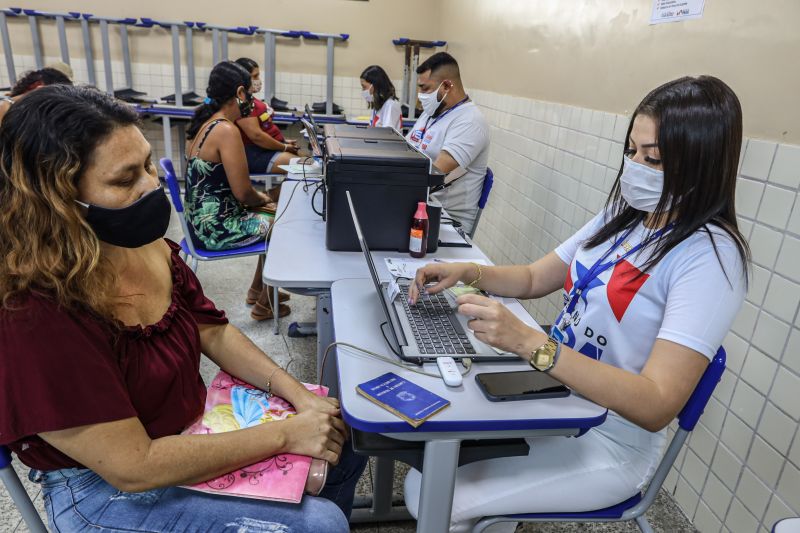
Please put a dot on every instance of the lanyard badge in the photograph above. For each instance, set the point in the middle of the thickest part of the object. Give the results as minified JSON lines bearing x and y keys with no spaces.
{"x":569,"y":315}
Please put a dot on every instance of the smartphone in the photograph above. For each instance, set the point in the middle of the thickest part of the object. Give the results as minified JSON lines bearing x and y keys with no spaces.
{"x":520,"y":385}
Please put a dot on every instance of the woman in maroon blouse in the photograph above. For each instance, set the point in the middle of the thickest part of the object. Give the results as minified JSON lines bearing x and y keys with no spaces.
{"x":101,"y":329}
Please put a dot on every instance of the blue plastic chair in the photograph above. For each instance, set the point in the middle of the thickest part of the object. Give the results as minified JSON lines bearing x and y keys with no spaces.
{"x":187,"y":246}
{"x":18,"y":494}
{"x":787,"y":525}
{"x":488,"y":181}
{"x":634,"y":507}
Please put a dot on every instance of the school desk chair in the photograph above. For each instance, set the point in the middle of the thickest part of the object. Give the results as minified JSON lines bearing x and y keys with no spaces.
{"x":488,"y":181}
{"x":634,"y":507}
{"x":787,"y":525}
{"x":187,"y":246}
{"x":18,"y":494}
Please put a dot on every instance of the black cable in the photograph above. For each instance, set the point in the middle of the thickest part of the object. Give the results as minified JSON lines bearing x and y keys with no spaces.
{"x":418,"y":360}
{"x":453,"y":222}
{"x":320,"y":186}
{"x":387,"y":338}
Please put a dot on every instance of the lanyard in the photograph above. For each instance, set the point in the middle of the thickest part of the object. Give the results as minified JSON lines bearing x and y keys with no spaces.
{"x":435,"y":120}
{"x":599,"y":267}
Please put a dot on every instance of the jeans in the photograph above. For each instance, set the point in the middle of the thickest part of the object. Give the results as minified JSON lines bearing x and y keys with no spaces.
{"x":77,"y":499}
{"x":260,"y":160}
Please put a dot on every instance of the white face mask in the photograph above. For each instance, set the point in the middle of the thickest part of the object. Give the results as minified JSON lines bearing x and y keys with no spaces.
{"x":641,"y":186}
{"x":430,"y":102}
{"x":367,"y":95}
{"x":257,"y":86}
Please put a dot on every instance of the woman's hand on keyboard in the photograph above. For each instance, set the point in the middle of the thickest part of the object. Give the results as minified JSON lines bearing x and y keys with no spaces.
{"x":444,"y":274}
{"x":495,"y":324}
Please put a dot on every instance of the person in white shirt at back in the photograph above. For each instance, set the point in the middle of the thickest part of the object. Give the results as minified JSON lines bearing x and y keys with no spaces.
{"x":378,"y":91}
{"x":454,"y":134}
{"x":650,"y":288}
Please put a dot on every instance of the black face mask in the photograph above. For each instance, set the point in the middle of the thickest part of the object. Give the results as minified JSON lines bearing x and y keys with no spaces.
{"x":140,"y":223}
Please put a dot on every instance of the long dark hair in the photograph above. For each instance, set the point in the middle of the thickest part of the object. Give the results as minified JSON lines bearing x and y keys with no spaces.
{"x":248,"y":64}
{"x":225,"y":79}
{"x":46,"y":143}
{"x":43,"y":76}
{"x":699,"y":139}
{"x":383,"y":88}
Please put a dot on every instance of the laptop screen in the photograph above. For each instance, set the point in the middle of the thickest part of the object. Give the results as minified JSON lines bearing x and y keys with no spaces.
{"x":373,"y":272}
{"x":311,"y":117}
{"x":312,"y":138}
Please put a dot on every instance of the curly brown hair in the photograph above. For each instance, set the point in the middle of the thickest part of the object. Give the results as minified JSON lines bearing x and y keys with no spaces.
{"x":46,"y":142}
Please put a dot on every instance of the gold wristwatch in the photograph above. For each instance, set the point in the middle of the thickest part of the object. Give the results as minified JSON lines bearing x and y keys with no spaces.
{"x":545,"y":356}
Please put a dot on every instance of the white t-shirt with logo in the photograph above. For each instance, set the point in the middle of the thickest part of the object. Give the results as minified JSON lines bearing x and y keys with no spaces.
{"x":464,"y":134}
{"x":389,"y":116}
{"x":685,"y":298}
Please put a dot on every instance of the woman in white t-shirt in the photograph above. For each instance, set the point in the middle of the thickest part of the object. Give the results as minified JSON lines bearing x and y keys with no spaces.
{"x":651,"y":286}
{"x":378,"y":91}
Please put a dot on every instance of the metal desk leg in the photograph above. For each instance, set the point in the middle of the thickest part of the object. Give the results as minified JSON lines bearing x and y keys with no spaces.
{"x":329,"y":79}
{"x":181,"y":127}
{"x":382,"y":485}
{"x":325,"y":337}
{"x":438,"y":482}
{"x":378,"y":507}
{"x":167,"y":127}
{"x":12,"y":73}
{"x":275,"y":305}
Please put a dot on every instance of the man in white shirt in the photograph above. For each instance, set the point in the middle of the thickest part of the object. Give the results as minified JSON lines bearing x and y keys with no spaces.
{"x":454,"y":134}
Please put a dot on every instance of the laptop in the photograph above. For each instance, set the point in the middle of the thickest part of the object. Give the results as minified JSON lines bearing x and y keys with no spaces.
{"x":313,"y":122}
{"x":429,"y":329}
{"x":313,"y":138}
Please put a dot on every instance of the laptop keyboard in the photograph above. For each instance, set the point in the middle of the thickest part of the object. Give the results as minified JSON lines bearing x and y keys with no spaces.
{"x":435,"y":327}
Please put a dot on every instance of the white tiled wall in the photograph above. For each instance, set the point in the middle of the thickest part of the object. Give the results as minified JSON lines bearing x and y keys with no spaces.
{"x":554,"y":165}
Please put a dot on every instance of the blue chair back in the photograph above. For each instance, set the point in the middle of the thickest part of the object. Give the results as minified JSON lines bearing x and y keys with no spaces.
{"x":5,"y":457}
{"x":697,"y":402}
{"x":187,"y":245}
{"x":488,"y":182}
{"x":634,"y":508}
{"x":172,"y":183}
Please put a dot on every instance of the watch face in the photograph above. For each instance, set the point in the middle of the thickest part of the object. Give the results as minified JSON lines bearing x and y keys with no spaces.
{"x":542,"y":358}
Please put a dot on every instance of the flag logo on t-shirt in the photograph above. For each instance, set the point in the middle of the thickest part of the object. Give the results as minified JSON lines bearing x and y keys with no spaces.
{"x":621,"y":289}
{"x":581,"y":271}
{"x":623,"y":286}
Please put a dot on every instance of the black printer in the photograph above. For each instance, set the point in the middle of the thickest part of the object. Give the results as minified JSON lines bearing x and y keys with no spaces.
{"x":386,"y":180}
{"x":361,"y":131}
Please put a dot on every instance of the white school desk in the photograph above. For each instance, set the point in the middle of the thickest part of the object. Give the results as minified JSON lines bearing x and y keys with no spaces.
{"x":299,"y":261}
{"x":357,"y":317}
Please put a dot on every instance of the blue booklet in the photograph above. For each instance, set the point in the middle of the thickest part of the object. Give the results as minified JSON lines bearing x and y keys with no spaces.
{"x":399,"y":396}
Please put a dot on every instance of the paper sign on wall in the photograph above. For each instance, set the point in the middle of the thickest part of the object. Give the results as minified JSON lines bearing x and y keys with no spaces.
{"x":675,"y":10}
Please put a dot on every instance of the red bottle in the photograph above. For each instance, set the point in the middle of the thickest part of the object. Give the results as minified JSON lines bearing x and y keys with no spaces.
{"x":418,"y":242}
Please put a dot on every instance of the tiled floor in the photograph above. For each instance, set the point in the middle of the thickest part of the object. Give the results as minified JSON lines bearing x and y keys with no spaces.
{"x":220,"y":283}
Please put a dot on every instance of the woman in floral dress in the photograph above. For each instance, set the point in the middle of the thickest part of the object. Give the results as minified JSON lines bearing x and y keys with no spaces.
{"x":223,"y":210}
